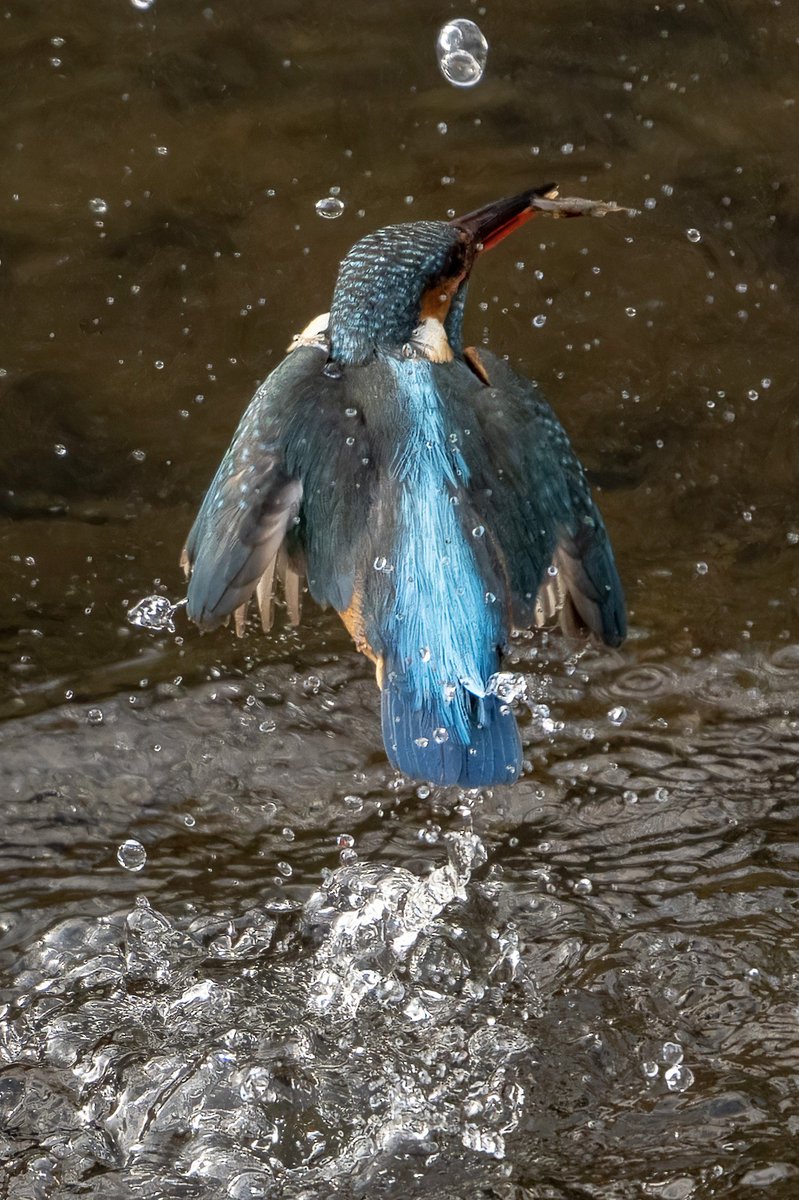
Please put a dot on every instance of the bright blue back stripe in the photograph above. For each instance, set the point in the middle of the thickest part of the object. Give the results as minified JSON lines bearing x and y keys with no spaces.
{"x":443,"y":629}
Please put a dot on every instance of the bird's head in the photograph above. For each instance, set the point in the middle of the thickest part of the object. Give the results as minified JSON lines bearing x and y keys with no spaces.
{"x":408,"y":277}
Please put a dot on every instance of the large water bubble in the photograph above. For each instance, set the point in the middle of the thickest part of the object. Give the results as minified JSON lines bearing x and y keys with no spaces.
{"x":462,"y":52}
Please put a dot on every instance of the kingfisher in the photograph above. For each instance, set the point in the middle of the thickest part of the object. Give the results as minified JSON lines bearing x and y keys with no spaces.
{"x":423,"y":489}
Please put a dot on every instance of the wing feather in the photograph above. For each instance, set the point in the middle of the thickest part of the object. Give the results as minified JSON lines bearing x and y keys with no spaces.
{"x":547,"y":530}
{"x":251,"y":503}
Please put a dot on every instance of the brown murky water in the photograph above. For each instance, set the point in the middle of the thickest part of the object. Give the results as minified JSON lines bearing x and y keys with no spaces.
{"x":608,"y":1006}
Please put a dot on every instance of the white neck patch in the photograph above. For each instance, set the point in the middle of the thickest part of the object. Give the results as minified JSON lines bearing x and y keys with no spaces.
{"x":431,"y":342}
{"x":314,"y":334}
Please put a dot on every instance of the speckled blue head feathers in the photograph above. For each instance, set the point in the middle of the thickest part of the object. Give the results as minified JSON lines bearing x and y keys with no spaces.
{"x":383,"y":281}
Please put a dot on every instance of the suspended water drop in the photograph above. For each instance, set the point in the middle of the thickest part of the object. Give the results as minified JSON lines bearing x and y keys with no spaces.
{"x":462,"y":51}
{"x":131,"y":855}
{"x":330,"y":207}
{"x":583,"y":887}
{"x":693,"y":235}
{"x":440,"y":735}
{"x":617,"y":715}
{"x":60,"y":451}
{"x":539,"y":321}
{"x":154,"y":612}
{"x":507,"y":686}
{"x":142,"y":4}
{"x":701,"y":568}
{"x":478,"y":531}
{"x":671,"y":1054}
{"x":679,"y":1078}
{"x":95,"y":716}
{"x":98,"y":205}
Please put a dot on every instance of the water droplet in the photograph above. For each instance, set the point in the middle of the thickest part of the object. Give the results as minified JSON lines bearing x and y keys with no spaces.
{"x":285,"y":869}
{"x":380,"y":563}
{"x":131,"y":855}
{"x":421,"y":742}
{"x":539,"y":321}
{"x":329,"y":207}
{"x":631,"y":312}
{"x":440,"y":735}
{"x":142,"y":4}
{"x":671,"y":1054}
{"x":693,"y":235}
{"x":154,"y":612}
{"x":478,"y":531}
{"x":701,"y":568}
{"x":98,"y":205}
{"x":617,"y":715}
{"x":442,"y":126}
{"x":60,"y":451}
{"x":650,"y":1069}
{"x":425,"y":654}
{"x":462,"y":51}
{"x":679,"y":1078}
{"x":583,"y":887}
{"x":138,"y":455}
{"x":95,"y":716}
{"x":332,"y":370}
{"x":507,"y":686}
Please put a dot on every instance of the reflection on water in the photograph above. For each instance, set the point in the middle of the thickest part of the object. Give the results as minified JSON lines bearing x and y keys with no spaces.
{"x":240,"y":957}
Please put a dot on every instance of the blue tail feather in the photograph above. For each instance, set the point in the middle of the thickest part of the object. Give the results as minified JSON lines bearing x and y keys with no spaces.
{"x":416,"y":745}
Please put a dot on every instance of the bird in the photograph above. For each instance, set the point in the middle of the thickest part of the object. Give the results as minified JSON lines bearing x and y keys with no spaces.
{"x":424,"y":490}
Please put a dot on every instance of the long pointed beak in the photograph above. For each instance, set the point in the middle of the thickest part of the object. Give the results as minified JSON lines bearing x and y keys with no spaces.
{"x":493,"y":222}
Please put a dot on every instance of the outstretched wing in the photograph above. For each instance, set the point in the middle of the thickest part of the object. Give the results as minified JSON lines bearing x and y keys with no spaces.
{"x":241,"y":525}
{"x":549,"y":533}
{"x":295,"y":478}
